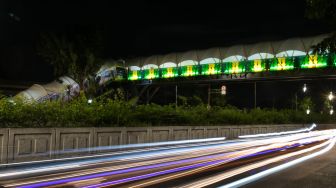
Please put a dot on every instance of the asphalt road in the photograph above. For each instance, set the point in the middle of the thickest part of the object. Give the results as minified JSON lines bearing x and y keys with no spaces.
{"x":190,"y":164}
{"x":319,"y":172}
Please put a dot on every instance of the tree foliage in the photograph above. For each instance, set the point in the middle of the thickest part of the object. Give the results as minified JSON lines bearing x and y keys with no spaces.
{"x":104,"y":111}
{"x":306,"y":103}
{"x":76,"y":55}
{"x":325,"y":11}
{"x":2,"y":95}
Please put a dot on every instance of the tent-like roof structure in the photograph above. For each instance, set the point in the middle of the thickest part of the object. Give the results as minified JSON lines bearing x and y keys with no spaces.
{"x":263,"y":50}
{"x":37,"y":92}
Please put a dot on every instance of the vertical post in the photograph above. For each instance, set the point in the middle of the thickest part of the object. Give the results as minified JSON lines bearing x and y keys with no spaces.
{"x":176,"y":96}
{"x":255,"y":94}
{"x":147,"y":96}
{"x":296,"y":102}
{"x":209,"y":95}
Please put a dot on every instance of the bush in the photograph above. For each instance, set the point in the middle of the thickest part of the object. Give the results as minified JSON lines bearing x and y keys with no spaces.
{"x":107,"y":112}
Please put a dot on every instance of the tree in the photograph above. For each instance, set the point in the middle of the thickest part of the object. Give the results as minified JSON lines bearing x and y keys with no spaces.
{"x":182,"y":100}
{"x":325,"y":11}
{"x":76,"y":55}
{"x":306,"y":103}
{"x":327,"y":105}
{"x":195,"y":100}
{"x":2,"y":95}
{"x":219,"y":100}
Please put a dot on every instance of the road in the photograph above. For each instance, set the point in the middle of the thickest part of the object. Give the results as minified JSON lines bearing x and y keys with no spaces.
{"x":193,"y":163}
{"x":315,"y":173}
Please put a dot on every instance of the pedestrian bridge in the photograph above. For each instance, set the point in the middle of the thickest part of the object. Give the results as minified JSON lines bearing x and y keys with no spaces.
{"x":271,"y":56}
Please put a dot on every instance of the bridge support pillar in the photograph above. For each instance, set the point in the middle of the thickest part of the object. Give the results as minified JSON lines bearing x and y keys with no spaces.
{"x":176,"y":96}
{"x":255,"y":94}
{"x":209,"y":95}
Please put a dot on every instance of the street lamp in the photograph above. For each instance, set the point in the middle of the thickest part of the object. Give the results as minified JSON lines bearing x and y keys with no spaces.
{"x":331,"y":112}
{"x":330,"y":96}
{"x":89,"y":101}
{"x":308,"y":111}
{"x":304,"y":89}
{"x":223,"y":90}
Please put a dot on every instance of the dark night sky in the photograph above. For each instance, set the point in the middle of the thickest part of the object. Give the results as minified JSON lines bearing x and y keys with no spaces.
{"x":140,"y":28}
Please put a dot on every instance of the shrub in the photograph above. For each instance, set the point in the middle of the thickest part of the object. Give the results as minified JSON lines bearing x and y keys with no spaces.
{"x":107,"y":112}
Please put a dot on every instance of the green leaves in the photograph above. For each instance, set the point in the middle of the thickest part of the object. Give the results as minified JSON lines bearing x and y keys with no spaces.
{"x":324,"y":11}
{"x":76,"y":56}
{"x":108,"y":112}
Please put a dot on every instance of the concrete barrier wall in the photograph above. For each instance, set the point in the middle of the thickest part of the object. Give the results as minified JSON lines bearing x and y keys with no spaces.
{"x":26,"y":144}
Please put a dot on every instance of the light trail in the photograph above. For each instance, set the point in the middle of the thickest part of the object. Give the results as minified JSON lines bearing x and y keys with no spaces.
{"x":194,"y":154}
{"x":257,"y":176}
{"x":280,"y":133}
{"x":139,"y":154}
{"x":240,"y":170}
{"x":173,"y":162}
{"x":260,"y":151}
{"x":251,"y":151}
{"x":232,"y":146}
{"x":108,"y":148}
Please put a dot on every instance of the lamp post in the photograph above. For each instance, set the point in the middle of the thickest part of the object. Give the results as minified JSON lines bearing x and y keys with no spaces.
{"x":221,"y":91}
{"x":308,"y":111}
{"x":304,"y":90}
{"x":255,"y":95}
{"x":176,"y":96}
{"x":209,"y":96}
{"x":330,"y":96}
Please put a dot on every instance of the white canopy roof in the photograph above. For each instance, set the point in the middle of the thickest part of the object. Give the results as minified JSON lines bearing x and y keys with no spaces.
{"x":151,"y":60}
{"x":186,"y":56}
{"x":168,"y":64}
{"x":290,"y":47}
{"x":209,"y":53}
{"x":188,"y":62}
{"x":36,"y":91}
{"x":234,"y":58}
{"x":172,"y":57}
{"x":149,"y":66}
{"x":209,"y":60}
